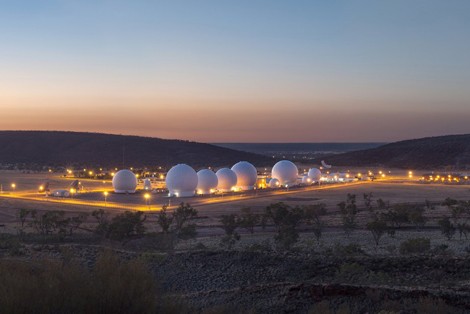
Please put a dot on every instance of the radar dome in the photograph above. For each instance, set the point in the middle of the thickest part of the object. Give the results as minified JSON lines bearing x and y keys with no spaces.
{"x":147,"y":185}
{"x":207,"y":181}
{"x":285,"y":171}
{"x":227,"y":179}
{"x":274,"y":183}
{"x":246,"y":175}
{"x":306,"y":180}
{"x":124,"y":181}
{"x":181,"y":181}
{"x":314,"y":174}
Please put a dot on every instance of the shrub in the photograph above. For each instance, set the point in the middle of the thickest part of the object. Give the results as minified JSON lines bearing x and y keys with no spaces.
{"x":377,"y":228}
{"x":447,"y":228}
{"x":229,"y":223}
{"x":348,"y":211}
{"x":415,"y":246}
{"x":48,"y":286}
{"x":127,"y":225}
{"x":248,"y":219}
{"x":164,"y":220}
{"x":181,"y":219}
{"x":286,"y":220}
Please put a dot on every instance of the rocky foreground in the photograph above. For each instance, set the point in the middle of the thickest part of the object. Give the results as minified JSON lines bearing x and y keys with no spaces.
{"x":299,"y":282}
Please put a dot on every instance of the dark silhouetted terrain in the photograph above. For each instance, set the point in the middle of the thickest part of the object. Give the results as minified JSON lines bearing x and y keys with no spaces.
{"x":451,"y":151}
{"x":74,"y":148}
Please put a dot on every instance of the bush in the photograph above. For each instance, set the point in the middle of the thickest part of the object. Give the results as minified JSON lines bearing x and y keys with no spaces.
{"x":48,"y":286}
{"x":285,"y":219}
{"x":447,"y":228}
{"x":126,"y":225}
{"x":229,"y":223}
{"x":415,"y":246}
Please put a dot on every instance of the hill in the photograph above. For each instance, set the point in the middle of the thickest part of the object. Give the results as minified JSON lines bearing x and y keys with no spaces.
{"x":96,"y":149}
{"x":451,"y":151}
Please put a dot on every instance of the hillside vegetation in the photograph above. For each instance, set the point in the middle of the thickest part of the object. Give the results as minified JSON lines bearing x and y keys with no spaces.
{"x":451,"y":152}
{"x":74,"y":148}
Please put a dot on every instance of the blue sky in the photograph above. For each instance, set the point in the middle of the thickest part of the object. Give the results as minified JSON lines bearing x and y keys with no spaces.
{"x":237,"y":70}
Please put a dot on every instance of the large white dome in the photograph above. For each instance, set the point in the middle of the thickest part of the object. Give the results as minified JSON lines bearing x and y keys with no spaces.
{"x":246,"y":175}
{"x":181,"y":181}
{"x":274,"y":183}
{"x":314,"y":174}
{"x":227,"y":179}
{"x":124,"y":181}
{"x":207,"y":181}
{"x":286,"y":172}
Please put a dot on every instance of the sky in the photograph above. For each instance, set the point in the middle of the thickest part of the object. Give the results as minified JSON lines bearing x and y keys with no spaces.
{"x":237,"y":71}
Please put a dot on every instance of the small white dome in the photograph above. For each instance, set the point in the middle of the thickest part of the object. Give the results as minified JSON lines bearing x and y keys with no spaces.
{"x":207,"y":181}
{"x":227,"y":179}
{"x":314,"y":174}
{"x":124,"y":181}
{"x":274,"y":183}
{"x":246,"y":175}
{"x":147,"y":185}
{"x":306,"y":180}
{"x":181,"y":181}
{"x":286,"y":172}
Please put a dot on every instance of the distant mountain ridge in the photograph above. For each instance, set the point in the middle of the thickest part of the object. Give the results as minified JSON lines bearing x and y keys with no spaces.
{"x":450,"y":151}
{"x":63,"y":148}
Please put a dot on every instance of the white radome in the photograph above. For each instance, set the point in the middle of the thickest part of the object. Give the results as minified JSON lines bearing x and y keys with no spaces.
{"x":207,"y":181}
{"x":246,"y":175}
{"x":147,"y":185}
{"x":124,"y":181}
{"x":227,"y":179}
{"x":306,"y":180}
{"x":314,"y":174}
{"x":286,"y":172}
{"x":274,"y":183}
{"x":181,"y":181}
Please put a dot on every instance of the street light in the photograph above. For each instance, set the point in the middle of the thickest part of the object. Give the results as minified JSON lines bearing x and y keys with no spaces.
{"x":147,"y":199}
{"x":13,"y":186}
{"x":105,"y":198}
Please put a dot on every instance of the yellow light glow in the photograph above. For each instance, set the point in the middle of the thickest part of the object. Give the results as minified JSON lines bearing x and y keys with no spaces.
{"x":90,"y":173}
{"x":41,"y":188}
{"x":147,"y":196}
{"x":13,"y":185}
{"x":105,"y":193}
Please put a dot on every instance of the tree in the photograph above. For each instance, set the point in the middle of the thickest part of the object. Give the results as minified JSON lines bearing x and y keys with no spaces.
{"x":50,"y":222}
{"x":397,"y":215}
{"x":312,"y":215}
{"x":286,"y":220}
{"x":230,"y":223}
{"x":76,"y":221}
{"x":368,"y":201}
{"x":447,"y":228}
{"x":181,"y":217}
{"x":103,"y":223}
{"x":248,"y":219}
{"x":164,"y":220}
{"x":22,"y":216}
{"x":348,"y":211}
{"x":381,"y":204}
{"x":377,"y":228}
{"x":126,"y":225}
{"x":416,"y":216}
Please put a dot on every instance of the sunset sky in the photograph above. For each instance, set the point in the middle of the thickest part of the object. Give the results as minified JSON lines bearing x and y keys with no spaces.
{"x":237,"y":71}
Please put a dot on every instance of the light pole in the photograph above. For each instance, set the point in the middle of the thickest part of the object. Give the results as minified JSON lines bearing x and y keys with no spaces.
{"x":105,"y":198}
{"x":147,"y":199}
